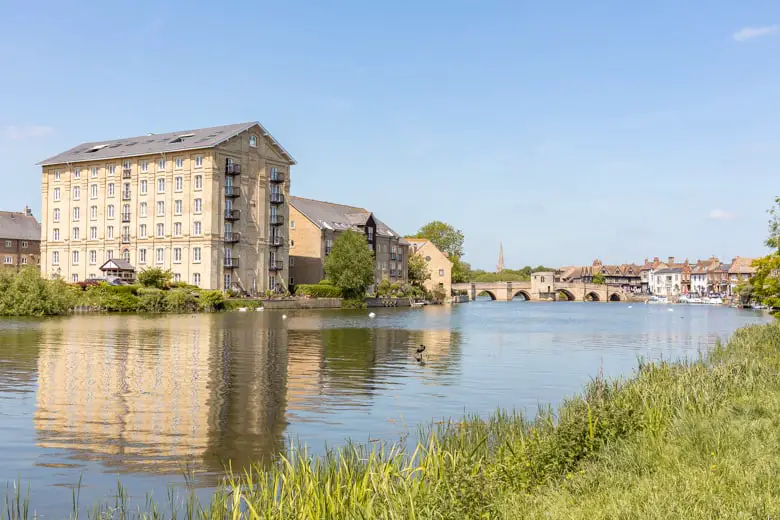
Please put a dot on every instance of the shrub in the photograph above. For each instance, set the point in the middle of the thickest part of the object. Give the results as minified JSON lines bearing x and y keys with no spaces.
{"x":211,"y":301}
{"x":151,"y":300}
{"x":27,"y":294}
{"x":180,"y":300}
{"x":155,"y":277}
{"x":318,"y":290}
{"x":112,"y":298}
{"x":353,"y":303}
{"x":232,"y":304}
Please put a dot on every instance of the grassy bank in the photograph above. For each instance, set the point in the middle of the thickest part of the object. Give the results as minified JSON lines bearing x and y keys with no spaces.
{"x":699,"y":439}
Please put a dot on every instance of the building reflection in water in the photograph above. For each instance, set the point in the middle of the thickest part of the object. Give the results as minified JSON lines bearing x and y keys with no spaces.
{"x":162,"y":394}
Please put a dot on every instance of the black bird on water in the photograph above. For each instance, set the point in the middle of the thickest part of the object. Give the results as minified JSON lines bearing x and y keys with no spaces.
{"x":418,"y":356}
{"x":421,"y":349}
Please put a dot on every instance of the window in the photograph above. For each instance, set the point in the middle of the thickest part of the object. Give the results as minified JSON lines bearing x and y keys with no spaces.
{"x":328,"y":246}
{"x":143,"y":209}
{"x":56,"y":214}
{"x":196,"y":228}
{"x":292,"y":224}
{"x":56,"y":234}
{"x":179,"y":163}
{"x":126,"y":165}
{"x":126,"y":255}
{"x":110,"y":189}
{"x":292,"y":261}
{"x":177,"y":229}
{"x":160,"y":208}
{"x":109,"y":254}
{"x":198,"y":205}
{"x":196,"y":255}
{"x":24,"y":260}
{"x":370,"y":233}
{"x":177,"y":254}
{"x":196,"y":279}
{"x":161,"y":165}
{"x":76,"y":192}
{"x":179,"y":183}
{"x":94,"y":172}
{"x":441,"y":272}
{"x":110,"y":232}
{"x":74,"y":278}
{"x":159,"y":255}
{"x":111,"y":170}
{"x":144,"y":187}
{"x":92,"y":257}
{"x":142,"y":256}
{"x":56,"y":194}
{"x":57,"y":175}
{"x":75,"y":258}
{"x":8,"y":243}
{"x":55,"y":258}
{"x":199,"y":182}
{"x":93,"y":233}
{"x":76,"y":173}
{"x":142,"y":231}
{"x":253,"y":141}
{"x":8,"y":260}
{"x":144,"y":166}
{"x":160,"y":230}
{"x":110,"y":210}
{"x":24,"y":244}
{"x":76,"y":213}
{"x":93,"y":191}
{"x":292,"y":243}
{"x":177,"y":205}
{"x":75,"y":234}
{"x":160,"y":185}
{"x":198,"y":161}
{"x":177,"y":277}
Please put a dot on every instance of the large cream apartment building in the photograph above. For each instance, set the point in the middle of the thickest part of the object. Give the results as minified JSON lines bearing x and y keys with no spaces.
{"x":208,"y":204}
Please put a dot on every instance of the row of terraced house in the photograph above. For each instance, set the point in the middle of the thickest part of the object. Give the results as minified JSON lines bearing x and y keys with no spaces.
{"x":668,"y":278}
{"x":212,"y":205}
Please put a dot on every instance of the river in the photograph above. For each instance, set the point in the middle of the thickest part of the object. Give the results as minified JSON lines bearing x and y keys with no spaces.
{"x":145,"y":399}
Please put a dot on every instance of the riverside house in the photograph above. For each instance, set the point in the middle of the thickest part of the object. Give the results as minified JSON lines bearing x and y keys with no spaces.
{"x":439,"y":266}
{"x":20,"y":239}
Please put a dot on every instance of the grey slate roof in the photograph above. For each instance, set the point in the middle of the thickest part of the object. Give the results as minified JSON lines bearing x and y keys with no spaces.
{"x":669,"y":270}
{"x":120,"y":263}
{"x":16,"y":225}
{"x":338,"y":217}
{"x":159,"y":143}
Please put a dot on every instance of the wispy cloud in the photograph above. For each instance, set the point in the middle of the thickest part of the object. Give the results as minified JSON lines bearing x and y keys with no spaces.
{"x":749,"y":33}
{"x":20,"y":132}
{"x":719,"y":214}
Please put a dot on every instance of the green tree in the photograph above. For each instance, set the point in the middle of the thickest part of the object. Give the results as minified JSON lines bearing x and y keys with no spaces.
{"x":461,"y":271}
{"x":155,"y":277}
{"x":418,"y":270}
{"x":765,"y":283}
{"x":350,"y":265}
{"x":444,"y":236}
{"x":773,"y":240}
{"x":599,"y":279}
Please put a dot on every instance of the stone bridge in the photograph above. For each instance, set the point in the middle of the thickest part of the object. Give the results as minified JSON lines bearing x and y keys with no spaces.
{"x":539,"y":290}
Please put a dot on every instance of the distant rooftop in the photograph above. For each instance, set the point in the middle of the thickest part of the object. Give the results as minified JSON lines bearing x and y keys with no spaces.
{"x":17,"y":225}
{"x":159,"y":143}
{"x":339,"y":217}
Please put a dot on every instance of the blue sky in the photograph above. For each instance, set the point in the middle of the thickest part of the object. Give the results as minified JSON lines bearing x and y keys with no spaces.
{"x":568,"y":130}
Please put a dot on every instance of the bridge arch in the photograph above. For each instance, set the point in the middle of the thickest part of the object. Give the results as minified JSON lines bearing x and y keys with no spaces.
{"x":526,"y":296}
{"x":489,"y":293}
{"x":592,"y":296}
{"x":615,"y":297}
{"x":565,"y":294}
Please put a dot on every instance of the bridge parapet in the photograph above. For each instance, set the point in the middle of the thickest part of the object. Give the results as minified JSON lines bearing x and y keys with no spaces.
{"x":506,"y":291}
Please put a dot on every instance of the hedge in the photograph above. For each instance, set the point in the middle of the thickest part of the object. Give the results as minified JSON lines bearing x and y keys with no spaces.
{"x":318,"y":291}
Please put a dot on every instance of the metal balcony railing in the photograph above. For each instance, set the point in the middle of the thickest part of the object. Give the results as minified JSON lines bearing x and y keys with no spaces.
{"x":231,"y":263}
{"x":232,"y":169}
{"x":232,"y":237}
{"x":277,"y":198}
{"x":232,"y":214}
{"x":232,"y":191}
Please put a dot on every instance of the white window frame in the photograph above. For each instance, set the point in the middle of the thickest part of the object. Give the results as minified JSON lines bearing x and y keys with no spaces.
{"x":179,"y":163}
{"x":196,"y":255}
{"x":160,"y":208}
{"x":56,"y":234}
{"x":198,"y":161}
{"x":57,"y":194}
{"x":176,"y":255}
{"x":142,"y":256}
{"x":142,"y":231}
{"x":110,"y":232}
{"x":160,"y":230}
{"x":93,"y":191}
{"x":253,"y":141}
{"x":56,"y":215}
{"x":76,"y":192}
{"x":111,"y":169}
{"x":161,"y":185}
{"x":94,"y":172}
{"x":178,"y":204}
{"x":161,"y":165}
{"x":143,"y":210}
{"x":55,"y":258}
{"x":110,"y":211}
{"x":144,"y":166}
{"x":144,"y":187}
{"x":111,"y":188}
{"x":196,"y":279}
{"x":198,"y":206}
{"x":179,"y":184}
{"x":76,"y":213}
{"x":76,"y":173}
{"x":196,"y":228}
{"x":198,"y":183}
{"x":177,"y":229}
{"x":57,"y":175}
{"x":159,"y":256}
{"x":75,"y":257}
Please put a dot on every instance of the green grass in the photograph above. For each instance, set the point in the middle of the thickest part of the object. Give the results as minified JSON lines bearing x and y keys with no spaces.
{"x":698,"y":439}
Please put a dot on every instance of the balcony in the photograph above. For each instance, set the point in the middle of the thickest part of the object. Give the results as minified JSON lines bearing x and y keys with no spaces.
{"x":277,"y":241}
{"x":232,"y":237}
{"x":231,"y":263}
{"x":276,"y":265}
{"x":126,"y":173}
{"x":232,"y":191}
{"x":232,"y":214}
{"x":276,"y":176}
{"x":393,"y":256}
{"x":125,"y":195}
{"x":232,"y":169}
{"x":125,"y":217}
{"x":125,"y":239}
{"x":277,"y":220}
{"x":277,"y":198}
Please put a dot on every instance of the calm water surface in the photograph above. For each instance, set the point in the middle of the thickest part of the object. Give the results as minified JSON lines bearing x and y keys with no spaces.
{"x":146,"y":398}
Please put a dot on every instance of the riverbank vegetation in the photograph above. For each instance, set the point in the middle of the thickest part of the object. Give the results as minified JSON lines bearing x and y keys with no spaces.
{"x":764,"y":286}
{"x":694,"y":439}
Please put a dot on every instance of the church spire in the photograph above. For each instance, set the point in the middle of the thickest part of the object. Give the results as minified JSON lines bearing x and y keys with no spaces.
{"x":500,"y":266}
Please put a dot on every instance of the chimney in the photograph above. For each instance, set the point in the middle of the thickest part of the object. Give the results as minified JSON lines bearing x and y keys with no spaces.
{"x":671,"y":260}
{"x":28,"y":211}
{"x":656,"y":259}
